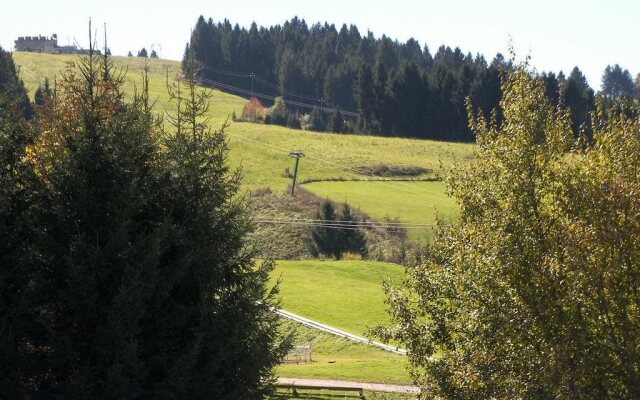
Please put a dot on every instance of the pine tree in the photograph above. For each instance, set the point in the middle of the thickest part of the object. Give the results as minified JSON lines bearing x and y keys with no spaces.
{"x":322,"y":240}
{"x":43,"y":93}
{"x":337,"y":235}
{"x":143,"y":53}
{"x":579,"y":98}
{"x":12,"y":90}
{"x":316,"y":120}
{"x":365,"y":97}
{"x":353,"y":239}
{"x":20,"y":328}
{"x":139,"y":281}
{"x":336,"y":121}
{"x":616,"y":83}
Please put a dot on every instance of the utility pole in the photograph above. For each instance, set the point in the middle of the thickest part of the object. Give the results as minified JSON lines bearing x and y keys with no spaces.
{"x":297,"y":154}
{"x":252,"y":76}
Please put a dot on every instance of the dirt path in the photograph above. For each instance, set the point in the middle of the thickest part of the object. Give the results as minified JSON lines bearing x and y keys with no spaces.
{"x":374,"y":387}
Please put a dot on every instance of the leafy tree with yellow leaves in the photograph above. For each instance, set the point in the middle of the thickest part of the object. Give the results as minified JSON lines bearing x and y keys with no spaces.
{"x":534,"y":293}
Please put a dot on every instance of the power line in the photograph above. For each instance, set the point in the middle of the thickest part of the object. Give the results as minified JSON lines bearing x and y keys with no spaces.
{"x":341,"y":224}
{"x":269,"y":97}
{"x":272,"y":98}
{"x":263,"y":81}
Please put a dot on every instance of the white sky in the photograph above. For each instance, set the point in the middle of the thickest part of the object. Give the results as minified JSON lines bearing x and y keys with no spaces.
{"x":557,"y":34}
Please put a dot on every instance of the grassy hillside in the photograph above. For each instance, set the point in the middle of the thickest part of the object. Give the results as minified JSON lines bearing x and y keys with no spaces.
{"x":262,"y":150}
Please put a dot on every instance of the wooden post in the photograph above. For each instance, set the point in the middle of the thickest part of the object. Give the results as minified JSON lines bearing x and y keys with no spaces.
{"x":297,"y":155}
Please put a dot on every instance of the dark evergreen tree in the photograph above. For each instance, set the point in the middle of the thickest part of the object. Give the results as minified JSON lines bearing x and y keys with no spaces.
{"x":579,"y":98}
{"x":616,"y":83}
{"x":409,"y":97}
{"x":43,"y":93}
{"x":336,"y":122}
{"x":18,"y":260}
{"x":143,"y":53}
{"x":337,"y":234}
{"x":293,"y":121}
{"x":12,"y":90}
{"x":317,"y":120}
{"x":153,"y":54}
{"x":124,"y":271}
{"x":129,"y":54}
{"x":322,"y":239}
{"x":303,"y":63}
{"x":382,"y":105}
{"x":353,"y":239}
{"x":552,"y":87}
{"x":365,"y":97}
{"x":485,"y":93}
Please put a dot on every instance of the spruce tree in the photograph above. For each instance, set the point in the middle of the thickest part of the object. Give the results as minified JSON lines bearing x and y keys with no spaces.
{"x":43,"y":93}
{"x":316,"y":120}
{"x":20,"y":330}
{"x":336,"y":233}
{"x":352,"y":238}
{"x":130,"y":276}
{"x":336,"y":121}
{"x":12,"y":90}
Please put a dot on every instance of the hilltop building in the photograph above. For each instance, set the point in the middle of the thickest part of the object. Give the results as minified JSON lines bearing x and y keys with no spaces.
{"x":43,"y":44}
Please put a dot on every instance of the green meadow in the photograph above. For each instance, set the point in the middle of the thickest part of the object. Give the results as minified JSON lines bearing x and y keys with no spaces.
{"x":344,"y":294}
{"x":347,"y":295}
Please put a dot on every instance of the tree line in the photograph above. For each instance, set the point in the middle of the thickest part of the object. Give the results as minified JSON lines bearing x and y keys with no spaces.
{"x":398,"y":89}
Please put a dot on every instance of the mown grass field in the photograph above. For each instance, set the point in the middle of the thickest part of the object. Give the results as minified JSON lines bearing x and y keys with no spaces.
{"x":262,"y":150}
{"x":345,"y":294}
{"x":337,"y":358}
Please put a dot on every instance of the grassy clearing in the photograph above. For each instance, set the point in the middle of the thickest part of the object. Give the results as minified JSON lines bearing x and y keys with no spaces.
{"x":344,"y":294}
{"x":337,"y":358}
{"x":411,"y":202}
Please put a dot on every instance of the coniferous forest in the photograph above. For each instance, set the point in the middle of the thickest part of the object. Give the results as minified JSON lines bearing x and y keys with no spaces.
{"x":397,"y":89}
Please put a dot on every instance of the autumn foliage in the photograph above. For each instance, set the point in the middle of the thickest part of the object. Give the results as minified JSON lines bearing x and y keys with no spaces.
{"x":254,"y":110}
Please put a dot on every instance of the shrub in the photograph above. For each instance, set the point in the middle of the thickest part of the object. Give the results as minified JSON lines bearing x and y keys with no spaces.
{"x":253,"y":110}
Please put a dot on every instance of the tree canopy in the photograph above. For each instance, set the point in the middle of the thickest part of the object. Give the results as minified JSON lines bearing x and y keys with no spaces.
{"x":533,"y":292}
